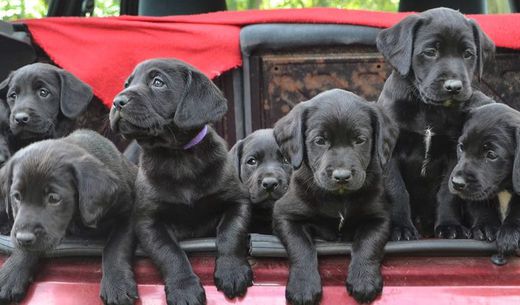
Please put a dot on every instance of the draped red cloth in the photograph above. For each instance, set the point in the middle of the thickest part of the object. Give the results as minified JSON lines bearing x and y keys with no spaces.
{"x":103,"y":51}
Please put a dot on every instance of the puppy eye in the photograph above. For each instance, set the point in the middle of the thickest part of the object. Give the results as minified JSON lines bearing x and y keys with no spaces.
{"x":158,"y":82}
{"x":16,"y":196}
{"x":460,"y":147}
{"x":13,"y":95}
{"x":491,"y":155}
{"x":468,"y":54}
{"x":360,"y":140}
{"x":53,"y":199}
{"x":431,"y":52}
{"x":252,"y":161}
{"x":127,"y":83}
{"x":44,"y":92}
{"x":320,"y":140}
{"x":284,"y":160}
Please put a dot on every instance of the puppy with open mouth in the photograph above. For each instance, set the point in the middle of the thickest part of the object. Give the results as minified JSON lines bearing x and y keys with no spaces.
{"x":265,"y":172}
{"x":338,"y":145}
{"x":186,"y":185}
{"x":487,"y":175}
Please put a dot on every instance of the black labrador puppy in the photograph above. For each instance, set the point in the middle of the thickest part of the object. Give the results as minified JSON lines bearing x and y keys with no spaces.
{"x":75,"y":186}
{"x":487,"y":174}
{"x":265,"y":172}
{"x":44,"y":102}
{"x":186,"y":185}
{"x":435,"y":55}
{"x":339,"y":145}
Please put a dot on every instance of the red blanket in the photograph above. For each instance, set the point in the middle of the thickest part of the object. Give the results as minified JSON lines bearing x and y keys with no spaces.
{"x":103,"y":51}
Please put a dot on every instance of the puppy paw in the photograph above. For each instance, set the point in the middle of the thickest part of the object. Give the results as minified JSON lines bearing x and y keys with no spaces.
{"x":484,"y":232}
{"x":232,"y":276}
{"x":364,"y":285}
{"x":303,"y":288}
{"x":118,"y":289}
{"x":188,"y":291}
{"x":508,"y":238}
{"x":13,"y":286}
{"x":400,"y":233}
{"x":452,"y":232}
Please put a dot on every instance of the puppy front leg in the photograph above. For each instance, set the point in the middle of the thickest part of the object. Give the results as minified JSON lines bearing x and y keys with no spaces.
{"x":364,"y":280}
{"x":304,"y":285}
{"x":448,"y":219}
{"x":508,"y":237}
{"x":483,"y":218}
{"x":182,"y":286}
{"x":16,"y":274}
{"x":232,"y":270}
{"x":118,"y":285}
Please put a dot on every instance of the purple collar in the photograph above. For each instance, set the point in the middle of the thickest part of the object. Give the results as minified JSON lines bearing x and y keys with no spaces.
{"x":198,"y":138}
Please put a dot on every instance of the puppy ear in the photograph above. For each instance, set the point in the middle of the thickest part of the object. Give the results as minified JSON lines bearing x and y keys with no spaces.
{"x":485,"y":47}
{"x":201,"y":103}
{"x":75,"y":95}
{"x":386,"y":132}
{"x":4,"y":86}
{"x":5,"y":187}
{"x":289,"y":133}
{"x":396,"y":43}
{"x":97,"y":189}
{"x":236,"y":156}
{"x":516,"y":164}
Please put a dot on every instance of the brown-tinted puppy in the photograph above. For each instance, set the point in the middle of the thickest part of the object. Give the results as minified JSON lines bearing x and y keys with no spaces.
{"x":186,"y":181}
{"x":80,"y":186}
{"x":339,"y":145}
{"x":44,"y":101}
{"x":435,"y":56}
{"x":265,"y":172}
{"x":488,"y":171}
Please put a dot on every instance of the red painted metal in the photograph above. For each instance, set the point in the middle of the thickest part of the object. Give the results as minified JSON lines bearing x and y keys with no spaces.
{"x":408,"y":280}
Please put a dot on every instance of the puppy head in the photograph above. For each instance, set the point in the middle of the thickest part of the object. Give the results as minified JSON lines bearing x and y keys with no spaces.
{"x":46,"y":185}
{"x":339,"y":136}
{"x":261,"y":166}
{"x":488,"y":153}
{"x":440,"y":51}
{"x":38,"y":94}
{"x":164,"y":98}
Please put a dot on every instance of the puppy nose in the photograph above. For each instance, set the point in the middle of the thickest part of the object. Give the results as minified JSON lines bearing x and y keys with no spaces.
{"x":21,"y":118}
{"x":269,"y":183}
{"x":453,"y":86}
{"x":120,"y":102}
{"x":458,"y":183}
{"x":341,"y":175}
{"x":25,"y":238}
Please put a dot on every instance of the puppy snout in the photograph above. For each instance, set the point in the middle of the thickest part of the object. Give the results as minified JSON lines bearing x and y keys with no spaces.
{"x":25,"y":238}
{"x":120,"y":101}
{"x":458,"y":183}
{"x":270,"y":184}
{"x":21,"y":118}
{"x":453,"y":86}
{"x":342,"y":175}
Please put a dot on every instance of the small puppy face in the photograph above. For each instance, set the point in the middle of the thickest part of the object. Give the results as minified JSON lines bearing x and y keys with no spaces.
{"x":488,"y":154}
{"x":338,"y":135}
{"x":163,"y":97}
{"x":439,"y":50}
{"x":45,"y":185}
{"x":37,"y":94}
{"x":261,"y":167}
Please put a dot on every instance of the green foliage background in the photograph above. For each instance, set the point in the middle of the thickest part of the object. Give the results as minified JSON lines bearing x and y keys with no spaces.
{"x":17,"y":9}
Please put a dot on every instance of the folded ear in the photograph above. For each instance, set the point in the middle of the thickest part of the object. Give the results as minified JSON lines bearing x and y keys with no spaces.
{"x":235,"y":154}
{"x":516,"y":164}
{"x":4,"y":86}
{"x":97,"y":189}
{"x":396,"y":43}
{"x":201,"y":103}
{"x":289,"y":133}
{"x":386,"y":132}
{"x":75,"y":95}
{"x":6,"y":173}
{"x":485,"y":47}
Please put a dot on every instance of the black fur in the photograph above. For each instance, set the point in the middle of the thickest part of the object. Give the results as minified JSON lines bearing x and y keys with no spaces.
{"x":339,"y":145}
{"x":184,"y":193}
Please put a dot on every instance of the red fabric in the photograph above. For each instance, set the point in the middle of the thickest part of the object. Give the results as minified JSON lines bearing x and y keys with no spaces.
{"x":103,"y":51}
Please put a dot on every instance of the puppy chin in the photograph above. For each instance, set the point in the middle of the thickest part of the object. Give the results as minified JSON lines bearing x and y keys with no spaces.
{"x":114,"y":118}
{"x":28,"y":132}
{"x":262,"y":196}
{"x":444,"y":100}
{"x":475,"y":194}
{"x":339,"y":188}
